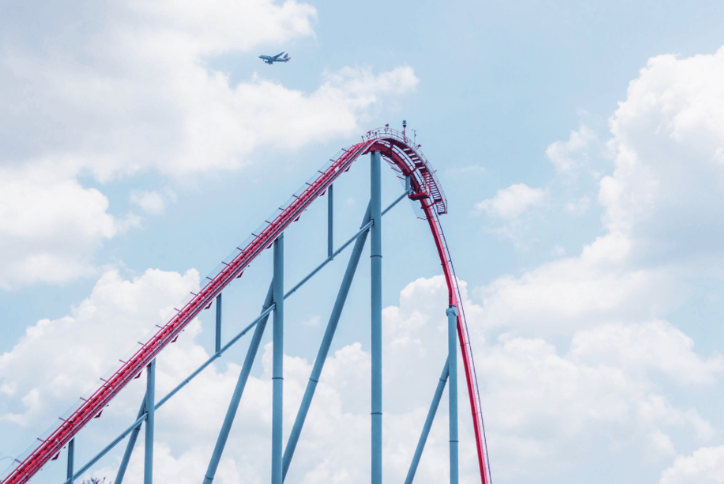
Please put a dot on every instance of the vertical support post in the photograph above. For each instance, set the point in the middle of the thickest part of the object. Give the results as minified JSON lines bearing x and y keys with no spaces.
{"x":428,"y":424}
{"x":376,"y":319}
{"x":218,"y":324}
{"x":408,"y":186}
{"x":129,"y":447}
{"x":150,"y":417}
{"x":278,"y":361}
{"x":330,"y":222}
{"x":452,"y":341}
{"x":324,"y":347}
{"x":71,"y":452}
{"x":238,"y":391}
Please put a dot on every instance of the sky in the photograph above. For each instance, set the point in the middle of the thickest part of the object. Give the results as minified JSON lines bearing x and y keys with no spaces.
{"x":581,"y":149}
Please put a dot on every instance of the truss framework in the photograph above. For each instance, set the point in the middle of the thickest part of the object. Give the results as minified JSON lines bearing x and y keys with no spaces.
{"x":422,"y":186}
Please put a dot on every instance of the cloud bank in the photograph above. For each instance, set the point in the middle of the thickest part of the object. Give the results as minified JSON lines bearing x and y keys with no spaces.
{"x":113,"y":89}
{"x":661,"y":204}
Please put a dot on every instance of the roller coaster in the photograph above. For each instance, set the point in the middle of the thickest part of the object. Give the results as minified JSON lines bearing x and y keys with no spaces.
{"x":423,"y":188}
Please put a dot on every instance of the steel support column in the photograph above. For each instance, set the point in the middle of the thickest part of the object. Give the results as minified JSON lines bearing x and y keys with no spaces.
{"x":330,"y":221}
{"x":150,"y":416}
{"x":129,"y":447}
{"x":428,"y":424}
{"x":238,"y":391}
{"x":324,"y":347}
{"x":452,"y":341}
{"x":71,"y":456}
{"x":278,"y":361}
{"x":376,"y":318}
{"x":218,"y":323}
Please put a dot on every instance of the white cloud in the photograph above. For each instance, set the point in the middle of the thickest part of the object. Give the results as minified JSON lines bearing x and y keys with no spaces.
{"x":558,"y":406}
{"x":668,"y":141}
{"x":544,"y":407}
{"x":576,"y":292}
{"x":660,"y":205}
{"x":609,"y":303}
{"x":313,"y":321}
{"x":569,"y":156}
{"x":577,"y":206}
{"x":511,"y":202}
{"x":130,"y":90}
{"x":651,"y":346}
{"x":140,"y":95}
{"x":80,"y":348}
{"x":558,"y":251}
{"x":50,"y":225}
{"x":223,"y":25}
{"x":151,"y":202}
{"x":541,"y":406}
{"x":704,"y":466}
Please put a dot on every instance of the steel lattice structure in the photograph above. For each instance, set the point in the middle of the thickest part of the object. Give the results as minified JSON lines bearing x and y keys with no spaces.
{"x":423,"y":187}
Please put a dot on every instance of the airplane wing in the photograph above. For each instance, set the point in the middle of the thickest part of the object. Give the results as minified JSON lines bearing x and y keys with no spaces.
{"x":278,"y":55}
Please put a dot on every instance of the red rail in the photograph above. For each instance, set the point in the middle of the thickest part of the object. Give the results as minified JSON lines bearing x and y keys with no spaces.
{"x":454,"y":298}
{"x":407,"y":160}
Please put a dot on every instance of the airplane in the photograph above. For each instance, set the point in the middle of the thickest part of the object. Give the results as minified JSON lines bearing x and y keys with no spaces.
{"x":272,"y":59}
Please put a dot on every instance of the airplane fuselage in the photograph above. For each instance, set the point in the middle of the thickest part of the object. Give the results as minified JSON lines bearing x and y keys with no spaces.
{"x":277,"y":58}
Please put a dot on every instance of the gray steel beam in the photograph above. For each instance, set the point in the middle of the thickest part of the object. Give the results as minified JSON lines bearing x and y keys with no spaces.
{"x":139,"y":421}
{"x":278,"y":361}
{"x":238,"y":391}
{"x":452,"y":340}
{"x":107,"y":449}
{"x":129,"y":447}
{"x":330,"y":221}
{"x":376,"y":318}
{"x":324,"y":347}
{"x":394,"y":203}
{"x":218,"y":323}
{"x":137,"y":424}
{"x":428,"y":424}
{"x":228,"y":345}
{"x":338,"y":251}
{"x":363,"y":230}
{"x":150,"y":418}
{"x":71,"y":457}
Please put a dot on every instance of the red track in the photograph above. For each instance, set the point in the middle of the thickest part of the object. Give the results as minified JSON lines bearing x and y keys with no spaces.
{"x":407,"y":160}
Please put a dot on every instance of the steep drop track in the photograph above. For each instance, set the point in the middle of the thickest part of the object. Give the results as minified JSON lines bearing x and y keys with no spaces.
{"x":404,"y":158}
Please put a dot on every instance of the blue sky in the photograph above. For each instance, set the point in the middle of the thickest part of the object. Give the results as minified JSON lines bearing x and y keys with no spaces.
{"x":580,"y":147}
